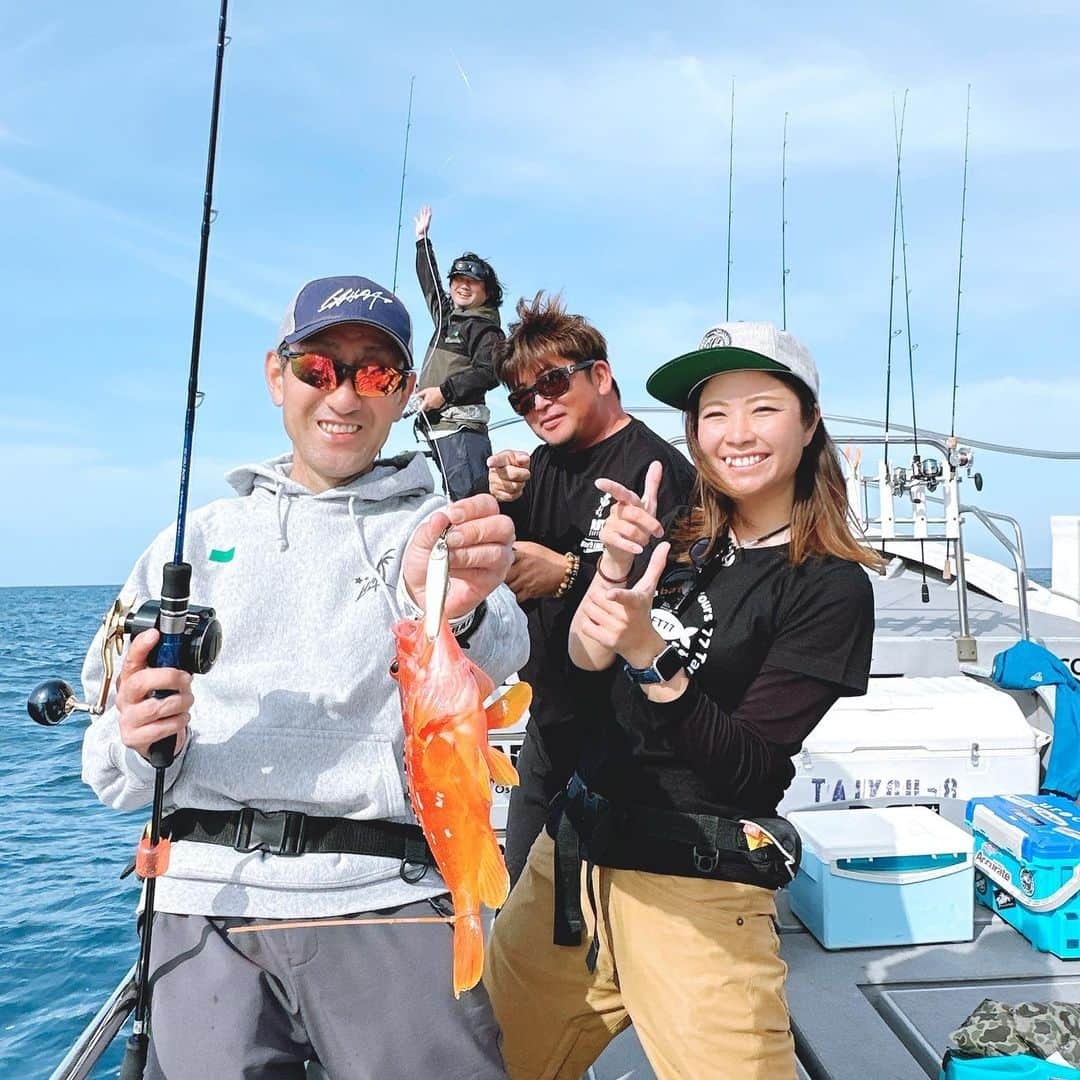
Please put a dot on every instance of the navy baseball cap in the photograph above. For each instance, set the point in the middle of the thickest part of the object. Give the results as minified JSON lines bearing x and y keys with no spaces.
{"x":329,"y":301}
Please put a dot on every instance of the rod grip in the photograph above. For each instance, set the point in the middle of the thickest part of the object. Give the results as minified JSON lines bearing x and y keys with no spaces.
{"x":175,"y":597}
{"x":134,"y":1057}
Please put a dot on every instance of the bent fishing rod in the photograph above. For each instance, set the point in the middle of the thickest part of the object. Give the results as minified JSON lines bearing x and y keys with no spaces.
{"x":190,"y":634}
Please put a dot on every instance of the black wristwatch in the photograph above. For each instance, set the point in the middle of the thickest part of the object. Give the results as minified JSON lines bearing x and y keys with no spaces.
{"x":667,"y":665}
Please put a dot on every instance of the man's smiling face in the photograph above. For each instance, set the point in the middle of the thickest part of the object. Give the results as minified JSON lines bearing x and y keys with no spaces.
{"x":337,"y":434}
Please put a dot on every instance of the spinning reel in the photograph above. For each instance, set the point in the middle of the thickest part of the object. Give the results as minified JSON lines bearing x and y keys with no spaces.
{"x":53,"y":701}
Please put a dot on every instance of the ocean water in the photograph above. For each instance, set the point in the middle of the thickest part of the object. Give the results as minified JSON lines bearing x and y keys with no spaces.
{"x":67,"y":925}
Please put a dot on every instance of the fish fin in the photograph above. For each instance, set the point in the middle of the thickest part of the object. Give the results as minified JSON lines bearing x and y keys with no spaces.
{"x":468,"y":953}
{"x":500,"y":767}
{"x":510,"y":708}
{"x":483,"y":681}
{"x":492,"y":879}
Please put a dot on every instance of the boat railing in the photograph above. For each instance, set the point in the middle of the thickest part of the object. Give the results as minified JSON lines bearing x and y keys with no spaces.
{"x":95,"y":1038}
{"x":1015,"y":549}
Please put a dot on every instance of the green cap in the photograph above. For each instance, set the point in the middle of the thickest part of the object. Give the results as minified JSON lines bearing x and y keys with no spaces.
{"x":733,"y":346}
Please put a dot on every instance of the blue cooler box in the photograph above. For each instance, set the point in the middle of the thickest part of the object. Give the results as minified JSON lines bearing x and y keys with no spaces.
{"x":897,"y":876}
{"x":1027,"y":866}
{"x":1014,"y":1067}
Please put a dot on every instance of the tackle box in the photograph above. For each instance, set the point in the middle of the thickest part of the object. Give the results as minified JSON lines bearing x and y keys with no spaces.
{"x":893,"y":876}
{"x":1027,"y":866}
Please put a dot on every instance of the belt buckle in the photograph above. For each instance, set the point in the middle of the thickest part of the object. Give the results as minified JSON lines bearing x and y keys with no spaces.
{"x":258,"y":831}
{"x":705,"y":862}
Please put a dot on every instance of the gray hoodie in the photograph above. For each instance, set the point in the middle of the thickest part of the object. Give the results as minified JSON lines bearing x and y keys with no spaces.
{"x":300,"y":712}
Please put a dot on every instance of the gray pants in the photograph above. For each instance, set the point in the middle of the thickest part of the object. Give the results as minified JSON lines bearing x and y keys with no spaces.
{"x":366,"y":1002}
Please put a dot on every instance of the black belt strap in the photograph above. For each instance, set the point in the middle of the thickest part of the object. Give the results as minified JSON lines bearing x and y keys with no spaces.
{"x":706,"y":834}
{"x":589,"y":827}
{"x":290,"y":834}
{"x":569,"y":920}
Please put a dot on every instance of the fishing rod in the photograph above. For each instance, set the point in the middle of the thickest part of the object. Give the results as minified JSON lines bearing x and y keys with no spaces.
{"x":899,"y":135}
{"x":960,"y":263}
{"x":918,"y":474}
{"x":190,"y":635}
{"x":783,"y":229}
{"x":911,"y":347}
{"x":175,"y":602}
{"x":730,"y":178}
{"x":401,"y":196}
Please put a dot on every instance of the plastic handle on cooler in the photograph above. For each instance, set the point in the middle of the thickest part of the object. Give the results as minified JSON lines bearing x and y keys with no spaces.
{"x":901,"y":869}
{"x":1047,"y":903}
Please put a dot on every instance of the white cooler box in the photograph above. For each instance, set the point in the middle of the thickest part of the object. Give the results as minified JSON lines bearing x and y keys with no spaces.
{"x":950,"y":737}
{"x":892,"y":876}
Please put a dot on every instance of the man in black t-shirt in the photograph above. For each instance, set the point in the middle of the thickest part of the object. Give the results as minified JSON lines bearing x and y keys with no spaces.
{"x":557,"y":369}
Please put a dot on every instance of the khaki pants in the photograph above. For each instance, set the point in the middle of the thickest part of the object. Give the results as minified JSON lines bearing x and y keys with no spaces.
{"x":693,"y":964}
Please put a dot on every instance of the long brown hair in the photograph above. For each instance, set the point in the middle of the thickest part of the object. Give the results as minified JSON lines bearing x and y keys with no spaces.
{"x":822,"y":523}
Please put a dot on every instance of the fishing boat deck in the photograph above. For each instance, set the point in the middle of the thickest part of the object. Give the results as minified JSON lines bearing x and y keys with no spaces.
{"x":886,"y":1013}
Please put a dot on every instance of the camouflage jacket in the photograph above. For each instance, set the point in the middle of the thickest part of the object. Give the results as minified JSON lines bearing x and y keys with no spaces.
{"x":1040,"y":1029}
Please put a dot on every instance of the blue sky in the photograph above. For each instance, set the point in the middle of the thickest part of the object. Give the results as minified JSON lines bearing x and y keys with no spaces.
{"x":581,"y":147}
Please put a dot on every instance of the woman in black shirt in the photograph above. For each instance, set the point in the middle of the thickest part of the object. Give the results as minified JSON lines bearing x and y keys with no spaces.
{"x":725,"y":646}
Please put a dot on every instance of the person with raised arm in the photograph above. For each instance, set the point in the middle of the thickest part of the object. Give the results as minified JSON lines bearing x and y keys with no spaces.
{"x":459,"y":365}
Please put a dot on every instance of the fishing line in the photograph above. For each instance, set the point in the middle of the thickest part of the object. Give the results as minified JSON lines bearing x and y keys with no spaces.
{"x":960,"y":263}
{"x":434,"y":442}
{"x":401,"y":196}
{"x":899,"y":135}
{"x":731,"y":175}
{"x":911,"y":347}
{"x":783,"y":229}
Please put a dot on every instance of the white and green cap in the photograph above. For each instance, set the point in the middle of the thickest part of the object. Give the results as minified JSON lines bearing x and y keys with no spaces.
{"x":733,"y":346}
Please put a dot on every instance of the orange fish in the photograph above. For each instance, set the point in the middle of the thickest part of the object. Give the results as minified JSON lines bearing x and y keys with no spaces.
{"x":450,"y":765}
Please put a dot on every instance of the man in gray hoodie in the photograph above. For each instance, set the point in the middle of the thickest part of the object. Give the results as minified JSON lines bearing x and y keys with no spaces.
{"x":287,"y":797}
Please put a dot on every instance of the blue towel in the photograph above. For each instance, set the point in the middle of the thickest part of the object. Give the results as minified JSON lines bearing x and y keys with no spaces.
{"x":1025,"y":666}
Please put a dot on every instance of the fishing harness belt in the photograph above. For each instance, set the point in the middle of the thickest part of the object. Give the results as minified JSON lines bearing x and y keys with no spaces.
{"x":289,"y":834}
{"x":589,"y":829}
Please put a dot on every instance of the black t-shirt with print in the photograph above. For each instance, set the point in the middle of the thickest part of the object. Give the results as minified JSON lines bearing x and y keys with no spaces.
{"x":561,"y":508}
{"x":769,"y":647}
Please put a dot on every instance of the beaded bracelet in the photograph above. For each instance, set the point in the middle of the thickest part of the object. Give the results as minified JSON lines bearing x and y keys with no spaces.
{"x":570,"y":575}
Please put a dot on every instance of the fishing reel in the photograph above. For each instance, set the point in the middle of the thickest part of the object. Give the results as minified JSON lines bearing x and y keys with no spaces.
{"x":961,"y":457}
{"x":54,"y":700}
{"x":926,"y":471}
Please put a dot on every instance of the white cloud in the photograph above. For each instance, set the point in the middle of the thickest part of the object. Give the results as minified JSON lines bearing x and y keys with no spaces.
{"x":643,"y":113}
{"x":162,"y":250}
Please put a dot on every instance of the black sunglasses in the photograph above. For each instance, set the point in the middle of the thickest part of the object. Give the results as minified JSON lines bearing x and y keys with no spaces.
{"x":552,"y":384}
{"x":467,"y":268}
{"x":679,"y":584}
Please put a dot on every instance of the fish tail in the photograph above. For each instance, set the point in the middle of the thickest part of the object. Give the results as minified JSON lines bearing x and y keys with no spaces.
{"x":468,"y":953}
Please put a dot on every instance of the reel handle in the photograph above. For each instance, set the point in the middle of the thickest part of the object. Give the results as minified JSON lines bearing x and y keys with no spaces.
{"x":52,"y":702}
